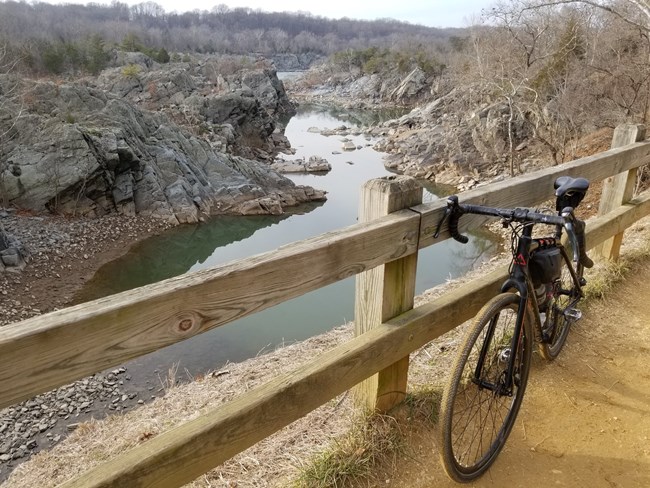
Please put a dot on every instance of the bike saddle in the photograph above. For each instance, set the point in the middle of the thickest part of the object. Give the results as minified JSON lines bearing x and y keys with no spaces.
{"x":569,"y":191}
{"x":565,"y":185}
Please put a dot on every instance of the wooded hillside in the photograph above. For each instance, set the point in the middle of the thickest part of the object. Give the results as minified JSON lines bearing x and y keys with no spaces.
{"x":520,"y":89}
{"x":56,"y":38}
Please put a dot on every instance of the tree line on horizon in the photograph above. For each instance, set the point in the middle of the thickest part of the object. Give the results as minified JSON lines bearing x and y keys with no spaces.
{"x":57,"y":39}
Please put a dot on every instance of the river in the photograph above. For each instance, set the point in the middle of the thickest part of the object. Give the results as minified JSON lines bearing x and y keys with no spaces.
{"x":193,"y":247}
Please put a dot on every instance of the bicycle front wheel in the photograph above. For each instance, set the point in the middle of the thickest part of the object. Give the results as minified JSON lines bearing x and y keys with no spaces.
{"x":560,"y":311}
{"x":478,"y":407}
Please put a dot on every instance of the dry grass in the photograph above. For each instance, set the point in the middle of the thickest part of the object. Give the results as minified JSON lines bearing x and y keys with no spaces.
{"x":372,"y":440}
{"x":262,"y":465}
{"x":606,"y":274}
{"x":333,"y":445}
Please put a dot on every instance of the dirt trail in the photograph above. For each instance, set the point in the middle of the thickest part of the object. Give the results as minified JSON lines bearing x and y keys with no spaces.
{"x":585,"y":420}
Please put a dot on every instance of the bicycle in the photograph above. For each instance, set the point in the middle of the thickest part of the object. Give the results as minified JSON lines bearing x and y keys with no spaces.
{"x":537,"y":303}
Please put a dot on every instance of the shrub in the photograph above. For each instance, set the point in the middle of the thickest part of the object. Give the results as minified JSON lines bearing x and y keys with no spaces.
{"x":162,"y":56}
{"x":131,"y":71}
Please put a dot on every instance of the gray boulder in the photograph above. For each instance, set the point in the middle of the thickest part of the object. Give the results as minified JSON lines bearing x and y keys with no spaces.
{"x":80,"y":150}
{"x":13,"y":254}
{"x":410,"y":88}
{"x":315,"y":164}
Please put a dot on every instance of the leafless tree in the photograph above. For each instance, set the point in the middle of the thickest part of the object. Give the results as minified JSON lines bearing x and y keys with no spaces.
{"x":12,"y":109}
{"x":634,"y":12}
{"x":620,"y":82}
{"x":525,"y":59}
{"x":561,"y":68}
{"x":46,"y":27}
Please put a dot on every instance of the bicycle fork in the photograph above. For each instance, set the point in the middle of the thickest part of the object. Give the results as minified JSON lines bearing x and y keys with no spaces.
{"x":505,"y":381}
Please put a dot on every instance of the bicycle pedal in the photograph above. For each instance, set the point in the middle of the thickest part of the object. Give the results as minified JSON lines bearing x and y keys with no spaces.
{"x":573,"y":314}
{"x":583,"y":281}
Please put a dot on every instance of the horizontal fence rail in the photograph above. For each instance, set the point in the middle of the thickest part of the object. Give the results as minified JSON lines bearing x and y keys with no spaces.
{"x":56,"y":348}
{"x":532,"y":188}
{"x":50,"y":350}
{"x":199,"y":445}
{"x":185,"y":452}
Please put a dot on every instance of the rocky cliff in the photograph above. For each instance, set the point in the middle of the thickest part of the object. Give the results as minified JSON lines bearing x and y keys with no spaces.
{"x":161,"y":142}
{"x":451,"y":136}
{"x":233,"y":102}
{"x":443,"y":142}
{"x":363,"y":91}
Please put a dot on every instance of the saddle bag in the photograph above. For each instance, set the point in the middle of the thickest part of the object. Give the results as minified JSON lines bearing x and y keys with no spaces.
{"x":545,"y":266}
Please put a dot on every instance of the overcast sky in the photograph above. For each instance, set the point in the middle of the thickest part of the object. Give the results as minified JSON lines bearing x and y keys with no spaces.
{"x":434,"y":13}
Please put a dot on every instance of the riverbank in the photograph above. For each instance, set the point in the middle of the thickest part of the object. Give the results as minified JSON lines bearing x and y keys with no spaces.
{"x":65,"y":253}
{"x":304,"y":90}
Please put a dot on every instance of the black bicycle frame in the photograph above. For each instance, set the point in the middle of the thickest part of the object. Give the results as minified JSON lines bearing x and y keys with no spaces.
{"x":519,"y":280}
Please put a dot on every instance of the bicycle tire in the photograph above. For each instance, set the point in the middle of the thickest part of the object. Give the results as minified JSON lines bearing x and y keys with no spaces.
{"x":555,"y":328}
{"x":467,"y":409}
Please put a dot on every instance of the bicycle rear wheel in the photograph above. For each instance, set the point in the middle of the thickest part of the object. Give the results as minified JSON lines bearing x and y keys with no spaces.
{"x":560,"y":311}
{"x":478,"y":409}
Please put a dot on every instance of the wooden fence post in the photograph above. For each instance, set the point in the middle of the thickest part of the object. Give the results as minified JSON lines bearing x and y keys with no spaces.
{"x":385,"y":291}
{"x":619,"y":188}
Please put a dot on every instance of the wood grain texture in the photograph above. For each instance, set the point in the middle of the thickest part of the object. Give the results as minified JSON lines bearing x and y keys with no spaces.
{"x":53,"y":349}
{"x":619,"y":188}
{"x":600,"y":229}
{"x":187,"y":451}
{"x":184,"y":453}
{"x":385,"y":291}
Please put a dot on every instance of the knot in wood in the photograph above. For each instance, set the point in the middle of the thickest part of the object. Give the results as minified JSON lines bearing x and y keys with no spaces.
{"x":186,"y":324}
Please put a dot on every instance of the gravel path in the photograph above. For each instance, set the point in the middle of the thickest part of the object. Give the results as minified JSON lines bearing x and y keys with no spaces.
{"x":585,"y":419}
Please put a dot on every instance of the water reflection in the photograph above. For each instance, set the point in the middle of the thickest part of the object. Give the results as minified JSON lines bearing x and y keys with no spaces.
{"x":180,"y":249}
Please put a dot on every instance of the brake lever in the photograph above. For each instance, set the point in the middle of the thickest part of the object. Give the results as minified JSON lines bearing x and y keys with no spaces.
{"x":568,"y":213}
{"x":445,"y":216}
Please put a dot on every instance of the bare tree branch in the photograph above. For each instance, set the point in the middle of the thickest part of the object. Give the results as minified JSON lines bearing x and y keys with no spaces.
{"x":641,"y":6}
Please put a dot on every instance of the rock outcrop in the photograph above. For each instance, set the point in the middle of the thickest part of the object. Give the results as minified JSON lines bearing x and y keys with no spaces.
{"x":294,"y":62}
{"x":362,"y":91}
{"x":79,"y":149}
{"x":236,"y":109}
{"x":440,"y":142}
{"x":411,"y":88}
{"x":315,"y":164}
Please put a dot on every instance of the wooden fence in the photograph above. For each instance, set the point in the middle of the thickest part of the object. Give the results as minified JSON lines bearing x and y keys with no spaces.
{"x":47,"y":351}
